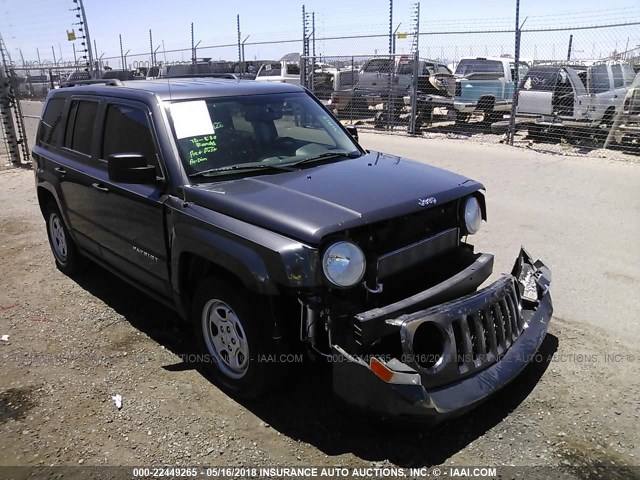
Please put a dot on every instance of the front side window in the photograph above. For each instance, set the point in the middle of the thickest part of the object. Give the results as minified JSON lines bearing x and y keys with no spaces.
{"x":540,"y":79}
{"x":127,"y":130}
{"x":255,"y":132}
{"x":82,"y":119}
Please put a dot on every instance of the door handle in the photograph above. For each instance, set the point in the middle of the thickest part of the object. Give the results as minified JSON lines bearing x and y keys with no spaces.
{"x":61,"y":171}
{"x":99,"y":186}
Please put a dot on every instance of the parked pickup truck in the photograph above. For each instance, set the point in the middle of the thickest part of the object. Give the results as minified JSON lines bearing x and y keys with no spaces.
{"x":574,"y":96}
{"x":381,"y":80}
{"x":255,"y":215}
{"x":485,"y":85}
{"x":283,"y":71}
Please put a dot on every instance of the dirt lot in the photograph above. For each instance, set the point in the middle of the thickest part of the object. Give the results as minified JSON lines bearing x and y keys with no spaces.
{"x":75,"y":342}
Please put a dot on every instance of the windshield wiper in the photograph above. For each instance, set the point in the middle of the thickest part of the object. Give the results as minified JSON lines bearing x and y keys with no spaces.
{"x":232,"y":168}
{"x":327,"y":155}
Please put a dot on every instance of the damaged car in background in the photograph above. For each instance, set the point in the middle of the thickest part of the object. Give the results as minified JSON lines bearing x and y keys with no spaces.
{"x":254,"y":214}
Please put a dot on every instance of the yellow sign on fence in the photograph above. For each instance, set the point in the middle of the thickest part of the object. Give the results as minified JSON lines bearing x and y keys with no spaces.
{"x":71,"y":35}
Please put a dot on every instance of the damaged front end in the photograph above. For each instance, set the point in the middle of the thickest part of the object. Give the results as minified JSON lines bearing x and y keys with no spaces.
{"x":451,"y":355}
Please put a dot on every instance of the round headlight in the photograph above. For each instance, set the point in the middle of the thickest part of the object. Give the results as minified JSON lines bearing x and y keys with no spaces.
{"x":472,"y":215}
{"x":343,"y":264}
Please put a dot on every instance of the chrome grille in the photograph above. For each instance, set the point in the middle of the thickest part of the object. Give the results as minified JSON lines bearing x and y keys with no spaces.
{"x":484,"y":335}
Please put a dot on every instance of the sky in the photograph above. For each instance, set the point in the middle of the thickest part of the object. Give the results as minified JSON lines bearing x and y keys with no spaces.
{"x":32,"y":27}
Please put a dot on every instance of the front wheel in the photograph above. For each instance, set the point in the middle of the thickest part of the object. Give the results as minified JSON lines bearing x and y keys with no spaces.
{"x":68,"y":258}
{"x":236,"y":339}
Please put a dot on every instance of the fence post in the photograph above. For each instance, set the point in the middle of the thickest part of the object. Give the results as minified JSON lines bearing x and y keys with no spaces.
{"x":414,"y":93}
{"x":514,"y":104}
{"x":7,"y":117}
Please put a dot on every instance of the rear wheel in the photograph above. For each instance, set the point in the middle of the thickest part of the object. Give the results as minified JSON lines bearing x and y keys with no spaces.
{"x":235,"y":336}
{"x":602,"y":130}
{"x":68,"y":259}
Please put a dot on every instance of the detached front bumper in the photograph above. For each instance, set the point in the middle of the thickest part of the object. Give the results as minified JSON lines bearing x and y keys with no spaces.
{"x":456,"y":354}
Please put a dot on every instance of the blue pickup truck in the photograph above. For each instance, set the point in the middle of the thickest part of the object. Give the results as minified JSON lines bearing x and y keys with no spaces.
{"x":482,"y":84}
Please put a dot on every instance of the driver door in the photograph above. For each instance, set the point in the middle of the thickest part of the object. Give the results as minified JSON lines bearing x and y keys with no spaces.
{"x":132,"y":215}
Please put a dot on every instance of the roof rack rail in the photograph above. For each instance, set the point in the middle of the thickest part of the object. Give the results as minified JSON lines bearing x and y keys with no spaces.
{"x":113,"y":82}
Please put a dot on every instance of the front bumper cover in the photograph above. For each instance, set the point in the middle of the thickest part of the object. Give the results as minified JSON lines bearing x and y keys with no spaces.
{"x":411,"y":390}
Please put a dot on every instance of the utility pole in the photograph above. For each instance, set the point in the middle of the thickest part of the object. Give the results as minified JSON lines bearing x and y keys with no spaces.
{"x":416,"y":66}
{"x":569,"y":51}
{"x":53,"y":51}
{"x":304,"y":61}
{"x":151,"y":47}
{"x":239,"y":43}
{"x":193,"y":48}
{"x":390,"y":27}
{"x":85,"y":30}
{"x":313,"y":35}
{"x":121,"y":53}
{"x":6,"y":103}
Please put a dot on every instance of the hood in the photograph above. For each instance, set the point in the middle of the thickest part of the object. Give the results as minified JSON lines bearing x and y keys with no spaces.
{"x":312,"y":202}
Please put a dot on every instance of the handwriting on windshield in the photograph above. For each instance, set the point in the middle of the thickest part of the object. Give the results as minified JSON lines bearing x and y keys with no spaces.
{"x":200,"y":147}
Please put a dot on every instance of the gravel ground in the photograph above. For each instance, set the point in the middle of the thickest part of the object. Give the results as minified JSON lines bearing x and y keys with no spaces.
{"x":75,"y":342}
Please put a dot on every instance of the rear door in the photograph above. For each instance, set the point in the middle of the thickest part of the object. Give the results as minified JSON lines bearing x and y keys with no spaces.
{"x":601,"y":92}
{"x":77,"y":171}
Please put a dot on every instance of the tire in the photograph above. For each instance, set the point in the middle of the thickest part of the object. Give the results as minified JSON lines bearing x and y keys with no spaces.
{"x":462,"y":118}
{"x":234,"y":340}
{"x":535,"y":132}
{"x":65,"y":252}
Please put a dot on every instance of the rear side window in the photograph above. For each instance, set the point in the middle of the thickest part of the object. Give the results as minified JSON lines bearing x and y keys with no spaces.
{"x":127,"y":130}
{"x":628,"y":73}
{"x":51,"y":121}
{"x":599,"y":79}
{"x":82,"y":119}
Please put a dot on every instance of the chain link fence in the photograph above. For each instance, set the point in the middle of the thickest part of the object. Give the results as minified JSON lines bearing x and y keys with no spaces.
{"x":570,"y":89}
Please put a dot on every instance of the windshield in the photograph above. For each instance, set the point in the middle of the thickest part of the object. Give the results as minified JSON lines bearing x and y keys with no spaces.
{"x":261,"y":130}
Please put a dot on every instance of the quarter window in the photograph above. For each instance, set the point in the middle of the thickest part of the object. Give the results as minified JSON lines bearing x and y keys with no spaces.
{"x":127,"y":130}
{"x":50,"y":125}
{"x":618,"y":80}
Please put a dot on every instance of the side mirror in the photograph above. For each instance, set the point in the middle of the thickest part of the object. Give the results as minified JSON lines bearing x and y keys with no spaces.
{"x":353,"y":131}
{"x":130,"y":168}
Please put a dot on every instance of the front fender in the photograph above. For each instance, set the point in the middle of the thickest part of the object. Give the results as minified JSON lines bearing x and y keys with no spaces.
{"x":264,"y":261}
